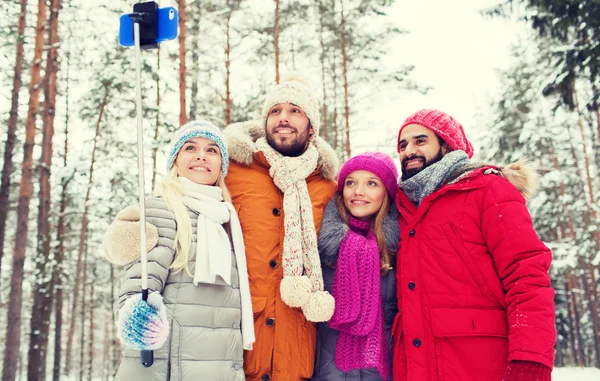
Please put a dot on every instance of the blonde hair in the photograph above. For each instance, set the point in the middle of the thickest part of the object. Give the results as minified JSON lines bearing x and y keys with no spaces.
{"x":171,"y":191}
{"x":385,"y":254}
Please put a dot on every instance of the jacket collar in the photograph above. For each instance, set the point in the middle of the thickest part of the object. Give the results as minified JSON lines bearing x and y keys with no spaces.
{"x":241,"y":144}
{"x":520,"y":174}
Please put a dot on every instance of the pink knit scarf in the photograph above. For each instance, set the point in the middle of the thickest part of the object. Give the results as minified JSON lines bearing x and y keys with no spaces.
{"x":358,"y":311}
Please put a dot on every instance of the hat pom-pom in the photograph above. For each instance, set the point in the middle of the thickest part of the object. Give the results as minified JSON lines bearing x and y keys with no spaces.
{"x":319,"y":307}
{"x":295,"y":290}
{"x":294,"y":76}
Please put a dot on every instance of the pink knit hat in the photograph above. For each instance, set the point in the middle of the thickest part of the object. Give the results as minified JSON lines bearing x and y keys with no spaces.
{"x":378,"y":163}
{"x":445,"y":126}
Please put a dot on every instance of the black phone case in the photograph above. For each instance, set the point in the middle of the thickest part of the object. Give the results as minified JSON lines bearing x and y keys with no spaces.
{"x":149,"y":27}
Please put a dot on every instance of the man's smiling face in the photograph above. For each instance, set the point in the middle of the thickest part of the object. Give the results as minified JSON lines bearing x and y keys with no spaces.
{"x":288,"y":129}
{"x":418,"y":147}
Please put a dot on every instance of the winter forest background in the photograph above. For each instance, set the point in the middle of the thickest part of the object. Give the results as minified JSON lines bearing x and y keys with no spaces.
{"x":68,"y":141}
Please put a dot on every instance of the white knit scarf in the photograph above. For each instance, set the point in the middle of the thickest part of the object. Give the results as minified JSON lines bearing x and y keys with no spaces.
{"x":213,"y":248}
{"x":302,"y":283}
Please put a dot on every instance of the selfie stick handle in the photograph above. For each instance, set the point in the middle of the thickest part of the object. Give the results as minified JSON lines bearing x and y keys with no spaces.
{"x":147,"y":357}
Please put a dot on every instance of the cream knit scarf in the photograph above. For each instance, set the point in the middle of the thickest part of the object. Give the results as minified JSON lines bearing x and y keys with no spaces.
{"x":302,"y":283}
{"x":213,"y":249}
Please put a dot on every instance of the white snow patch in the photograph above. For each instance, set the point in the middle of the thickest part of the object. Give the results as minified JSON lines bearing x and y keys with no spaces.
{"x":576,"y":374}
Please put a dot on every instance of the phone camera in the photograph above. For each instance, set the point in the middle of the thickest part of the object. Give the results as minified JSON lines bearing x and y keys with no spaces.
{"x":171,"y":14}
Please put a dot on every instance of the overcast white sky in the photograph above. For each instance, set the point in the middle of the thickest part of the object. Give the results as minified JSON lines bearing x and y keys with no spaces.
{"x":457,"y":51}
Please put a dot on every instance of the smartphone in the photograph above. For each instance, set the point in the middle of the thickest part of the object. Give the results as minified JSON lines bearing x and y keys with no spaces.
{"x":167,"y":21}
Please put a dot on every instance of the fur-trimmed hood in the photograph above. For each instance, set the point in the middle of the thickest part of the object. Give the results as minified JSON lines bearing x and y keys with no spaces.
{"x":333,"y":231}
{"x":520,"y":174}
{"x":241,"y":144}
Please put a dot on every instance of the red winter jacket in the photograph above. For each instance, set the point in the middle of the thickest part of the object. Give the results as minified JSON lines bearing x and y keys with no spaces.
{"x":473,"y":285}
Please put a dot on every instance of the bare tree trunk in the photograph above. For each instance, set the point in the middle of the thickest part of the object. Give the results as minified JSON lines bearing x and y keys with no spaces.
{"x":334,"y":123}
{"x":13,"y":328}
{"x":559,"y":359}
{"x":585,"y":152}
{"x":60,"y":238}
{"x":579,"y":354}
{"x":585,"y":343}
{"x":228,"y":70}
{"x":345,"y":75}
{"x":563,"y":193}
{"x":590,"y":295}
{"x":58,"y":275}
{"x":572,"y":347}
{"x":43,"y":289}
{"x":82,"y":235}
{"x":90,"y":366}
{"x":115,"y":342}
{"x":157,"y":122}
{"x":195,"y":31}
{"x":588,"y":213}
{"x":595,"y":89}
{"x":106,"y":365}
{"x":595,"y":312}
{"x":276,"y":31}
{"x":592,"y":198}
{"x":11,"y":134}
{"x":83,"y":315}
{"x":324,"y":127}
{"x":182,"y":69}
{"x":596,"y":113}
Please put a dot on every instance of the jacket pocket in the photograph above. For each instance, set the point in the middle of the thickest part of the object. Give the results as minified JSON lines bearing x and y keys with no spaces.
{"x":396,"y":324}
{"x":469,"y":322}
{"x":470,"y":343}
{"x":306,"y":345}
{"x":399,"y":362}
{"x":258,"y":305}
{"x":251,"y":358}
{"x":463,"y":253}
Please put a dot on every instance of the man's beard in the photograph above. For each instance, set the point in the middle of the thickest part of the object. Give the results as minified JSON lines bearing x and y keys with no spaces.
{"x":292,"y":148}
{"x":407,"y":174}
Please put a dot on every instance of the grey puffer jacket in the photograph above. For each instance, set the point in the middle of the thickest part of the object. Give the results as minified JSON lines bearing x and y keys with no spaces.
{"x":205,"y":342}
{"x":333,"y":231}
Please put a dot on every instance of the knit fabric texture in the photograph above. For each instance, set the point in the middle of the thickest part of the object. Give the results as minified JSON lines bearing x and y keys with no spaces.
{"x":143,"y":325}
{"x":378,"y":163}
{"x":433,"y":177}
{"x":526,"y":371}
{"x":445,"y":126}
{"x":213,"y":244}
{"x":294,"y":88}
{"x":358,"y":311}
{"x":198,"y":129}
{"x":302,"y":283}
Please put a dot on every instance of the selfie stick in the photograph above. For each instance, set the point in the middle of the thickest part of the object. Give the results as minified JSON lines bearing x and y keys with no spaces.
{"x":147,"y":357}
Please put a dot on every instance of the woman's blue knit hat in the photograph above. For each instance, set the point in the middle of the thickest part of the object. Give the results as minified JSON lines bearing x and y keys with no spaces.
{"x":198,"y":129}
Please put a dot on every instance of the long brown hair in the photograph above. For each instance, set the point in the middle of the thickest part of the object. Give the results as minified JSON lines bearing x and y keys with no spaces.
{"x":385,"y":254}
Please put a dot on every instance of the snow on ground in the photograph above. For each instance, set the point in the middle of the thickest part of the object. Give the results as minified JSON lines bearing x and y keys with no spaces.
{"x":576,"y":374}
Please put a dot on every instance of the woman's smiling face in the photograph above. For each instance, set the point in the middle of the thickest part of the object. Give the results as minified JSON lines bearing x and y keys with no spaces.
{"x":199,"y":160}
{"x":363,"y":194}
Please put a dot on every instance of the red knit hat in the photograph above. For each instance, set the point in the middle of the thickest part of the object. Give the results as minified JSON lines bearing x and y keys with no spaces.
{"x":445,"y":126}
{"x":378,"y":163}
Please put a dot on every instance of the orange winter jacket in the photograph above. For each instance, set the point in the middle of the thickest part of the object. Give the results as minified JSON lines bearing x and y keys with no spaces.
{"x":285,"y":341}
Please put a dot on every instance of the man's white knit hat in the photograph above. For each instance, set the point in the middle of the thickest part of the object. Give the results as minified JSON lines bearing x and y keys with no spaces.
{"x":296,"y":89}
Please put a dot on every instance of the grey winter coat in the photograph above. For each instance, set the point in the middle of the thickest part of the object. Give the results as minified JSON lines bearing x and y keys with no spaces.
{"x":333,"y":231}
{"x":205,"y":342}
